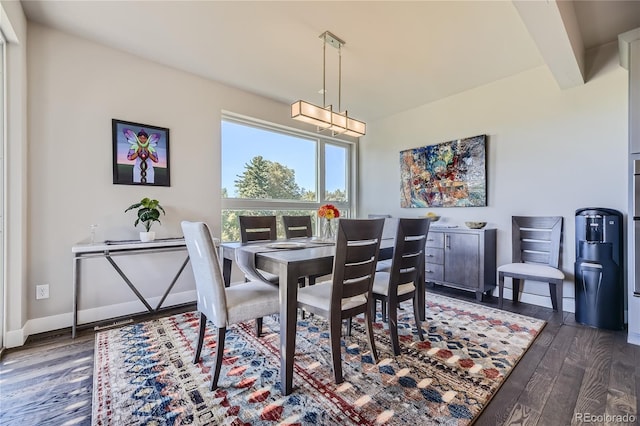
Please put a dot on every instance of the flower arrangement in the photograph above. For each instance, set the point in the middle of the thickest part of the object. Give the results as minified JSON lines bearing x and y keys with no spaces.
{"x":329,"y":211}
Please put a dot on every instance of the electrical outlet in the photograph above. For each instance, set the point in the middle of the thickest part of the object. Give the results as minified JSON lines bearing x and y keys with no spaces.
{"x":42,"y":291}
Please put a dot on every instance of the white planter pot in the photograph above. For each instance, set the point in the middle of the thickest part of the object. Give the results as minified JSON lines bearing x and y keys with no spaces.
{"x":147,"y":236}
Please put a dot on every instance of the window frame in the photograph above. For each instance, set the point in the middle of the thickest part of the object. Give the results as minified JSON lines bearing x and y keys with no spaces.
{"x":321,"y":140}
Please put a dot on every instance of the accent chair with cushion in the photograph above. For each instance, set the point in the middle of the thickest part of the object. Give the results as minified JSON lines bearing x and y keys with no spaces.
{"x":349,"y":292}
{"x":400,"y":282}
{"x":221,"y":305}
{"x":536,"y":242}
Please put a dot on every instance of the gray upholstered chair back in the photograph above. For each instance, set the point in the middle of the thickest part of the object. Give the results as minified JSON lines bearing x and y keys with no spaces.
{"x":206,"y":270}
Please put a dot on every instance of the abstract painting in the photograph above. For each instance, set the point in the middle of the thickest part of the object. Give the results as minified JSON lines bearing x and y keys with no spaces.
{"x":448,"y":174}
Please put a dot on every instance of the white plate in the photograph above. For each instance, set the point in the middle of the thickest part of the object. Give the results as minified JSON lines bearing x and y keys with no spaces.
{"x":286,"y":246}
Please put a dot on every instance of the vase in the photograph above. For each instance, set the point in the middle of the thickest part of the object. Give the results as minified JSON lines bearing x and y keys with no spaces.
{"x":327,"y":230}
{"x":147,"y":236}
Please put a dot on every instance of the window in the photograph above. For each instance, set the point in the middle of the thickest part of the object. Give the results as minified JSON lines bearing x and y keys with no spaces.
{"x":270,"y":170}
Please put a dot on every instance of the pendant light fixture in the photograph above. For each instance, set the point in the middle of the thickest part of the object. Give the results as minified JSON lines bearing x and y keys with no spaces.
{"x":325,"y":118}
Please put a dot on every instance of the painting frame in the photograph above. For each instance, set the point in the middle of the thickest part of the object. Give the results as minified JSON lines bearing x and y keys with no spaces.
{"x":140,"y":154}
{"x":447,"y":174}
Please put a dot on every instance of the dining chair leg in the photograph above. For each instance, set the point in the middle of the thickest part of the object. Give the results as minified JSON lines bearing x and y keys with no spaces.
{"x":372,"y":344}
{"x":385,"y":316}
{"x":392,"y":311}
{"x":555,"y":289}
{"x":335,"y":335}
{"x":416,"y":316}
{"x":500,"y":289}
{"x":203,"y":326}
{"x":222,"y":331}
{"x":258,"y":327}
{"x":516,"y":289}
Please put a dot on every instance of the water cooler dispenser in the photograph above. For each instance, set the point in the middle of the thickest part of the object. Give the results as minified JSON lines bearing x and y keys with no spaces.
{"x":599,"y":269}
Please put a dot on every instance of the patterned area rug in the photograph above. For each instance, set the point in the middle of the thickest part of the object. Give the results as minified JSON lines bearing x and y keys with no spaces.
{"x":143,"y":373}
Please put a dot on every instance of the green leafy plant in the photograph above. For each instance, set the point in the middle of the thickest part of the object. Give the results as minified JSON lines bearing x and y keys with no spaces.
{"x":148,"y":212}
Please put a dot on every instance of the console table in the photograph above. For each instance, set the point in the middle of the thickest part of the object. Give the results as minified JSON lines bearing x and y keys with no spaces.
{"x":111,"y":249}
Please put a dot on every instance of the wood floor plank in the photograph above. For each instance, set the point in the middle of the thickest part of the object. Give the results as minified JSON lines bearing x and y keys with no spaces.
{"x":621,"y":397}
{"x":522,"y":415}
{"x":563,"y":396}
{"x":537,"y":391}
{"x":499,"y":408}
{"x":597,"y":348}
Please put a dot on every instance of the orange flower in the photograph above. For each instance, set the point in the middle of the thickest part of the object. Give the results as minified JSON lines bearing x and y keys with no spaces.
{"x":329,"y":211}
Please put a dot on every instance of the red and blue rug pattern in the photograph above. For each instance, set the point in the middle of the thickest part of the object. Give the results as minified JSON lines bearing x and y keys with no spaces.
{"x":144,"y":374}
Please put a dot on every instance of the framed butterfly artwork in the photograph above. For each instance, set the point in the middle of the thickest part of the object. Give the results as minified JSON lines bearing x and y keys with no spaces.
{"x":140,"y":154}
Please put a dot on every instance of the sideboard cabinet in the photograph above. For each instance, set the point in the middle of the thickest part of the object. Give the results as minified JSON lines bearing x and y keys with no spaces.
{"x":462,"y":258}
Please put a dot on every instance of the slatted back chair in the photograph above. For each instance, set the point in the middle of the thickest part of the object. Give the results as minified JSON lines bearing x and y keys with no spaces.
{"x":257,"y":228}
{"x":349,"y":292}
{"x":400,"y":282}
{"x":297,"y":226}
{"x":536,"y":242}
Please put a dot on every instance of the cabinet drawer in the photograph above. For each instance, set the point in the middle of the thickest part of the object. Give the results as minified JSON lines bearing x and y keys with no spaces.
{"x":434,"y":255}
{"x":433,"y":272}
{"x":435,"y":239}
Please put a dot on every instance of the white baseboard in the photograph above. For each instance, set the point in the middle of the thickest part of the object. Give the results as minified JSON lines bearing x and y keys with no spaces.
{"x":568,"y":303}
{"x":633,"y":338}
{"x":16,"y":338}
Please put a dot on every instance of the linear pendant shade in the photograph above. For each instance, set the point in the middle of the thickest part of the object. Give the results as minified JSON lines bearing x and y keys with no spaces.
{"x":325,"y":118}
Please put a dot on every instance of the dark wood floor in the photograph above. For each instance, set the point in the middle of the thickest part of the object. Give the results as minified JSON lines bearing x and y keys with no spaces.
{"x":571,"y":375}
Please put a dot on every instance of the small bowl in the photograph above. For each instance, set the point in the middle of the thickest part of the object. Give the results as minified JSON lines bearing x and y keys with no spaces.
{"x":475,"y":225}
{"x":433,"y":218}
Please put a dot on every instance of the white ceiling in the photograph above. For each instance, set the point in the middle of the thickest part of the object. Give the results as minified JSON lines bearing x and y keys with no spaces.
{"x":398,"y":55}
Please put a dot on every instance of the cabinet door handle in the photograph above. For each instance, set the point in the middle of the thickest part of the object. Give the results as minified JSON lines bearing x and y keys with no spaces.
{"x":429,"y":255}
{"x":428,"y":271}
{"x":447,"y":241}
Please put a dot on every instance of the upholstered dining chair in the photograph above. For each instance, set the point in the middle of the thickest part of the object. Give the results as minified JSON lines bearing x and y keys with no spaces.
{"x":400,"y":282}
{"x":258,"y":228}
{"x":221,"y":305}
{"x":536,"y":242}
{"x":349,"y":292}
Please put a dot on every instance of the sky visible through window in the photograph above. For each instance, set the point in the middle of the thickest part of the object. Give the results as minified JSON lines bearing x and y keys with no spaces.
{"x":241,"y":143}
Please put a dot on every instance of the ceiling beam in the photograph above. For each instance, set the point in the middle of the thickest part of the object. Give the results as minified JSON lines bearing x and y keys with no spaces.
{"x":624,"y":45}
{"x":553,"y":26}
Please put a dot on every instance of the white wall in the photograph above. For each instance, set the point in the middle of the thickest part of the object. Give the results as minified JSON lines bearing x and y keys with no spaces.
{"x":75,"y":88}
{"x":14,"y":27}
{"x":550,"y":152}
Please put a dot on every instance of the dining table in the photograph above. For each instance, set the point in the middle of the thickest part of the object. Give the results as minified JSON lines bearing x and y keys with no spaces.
{"x":308,"y":256}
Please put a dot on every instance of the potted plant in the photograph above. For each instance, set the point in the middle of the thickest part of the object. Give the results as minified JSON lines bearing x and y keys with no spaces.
{"x":148,"y":212}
